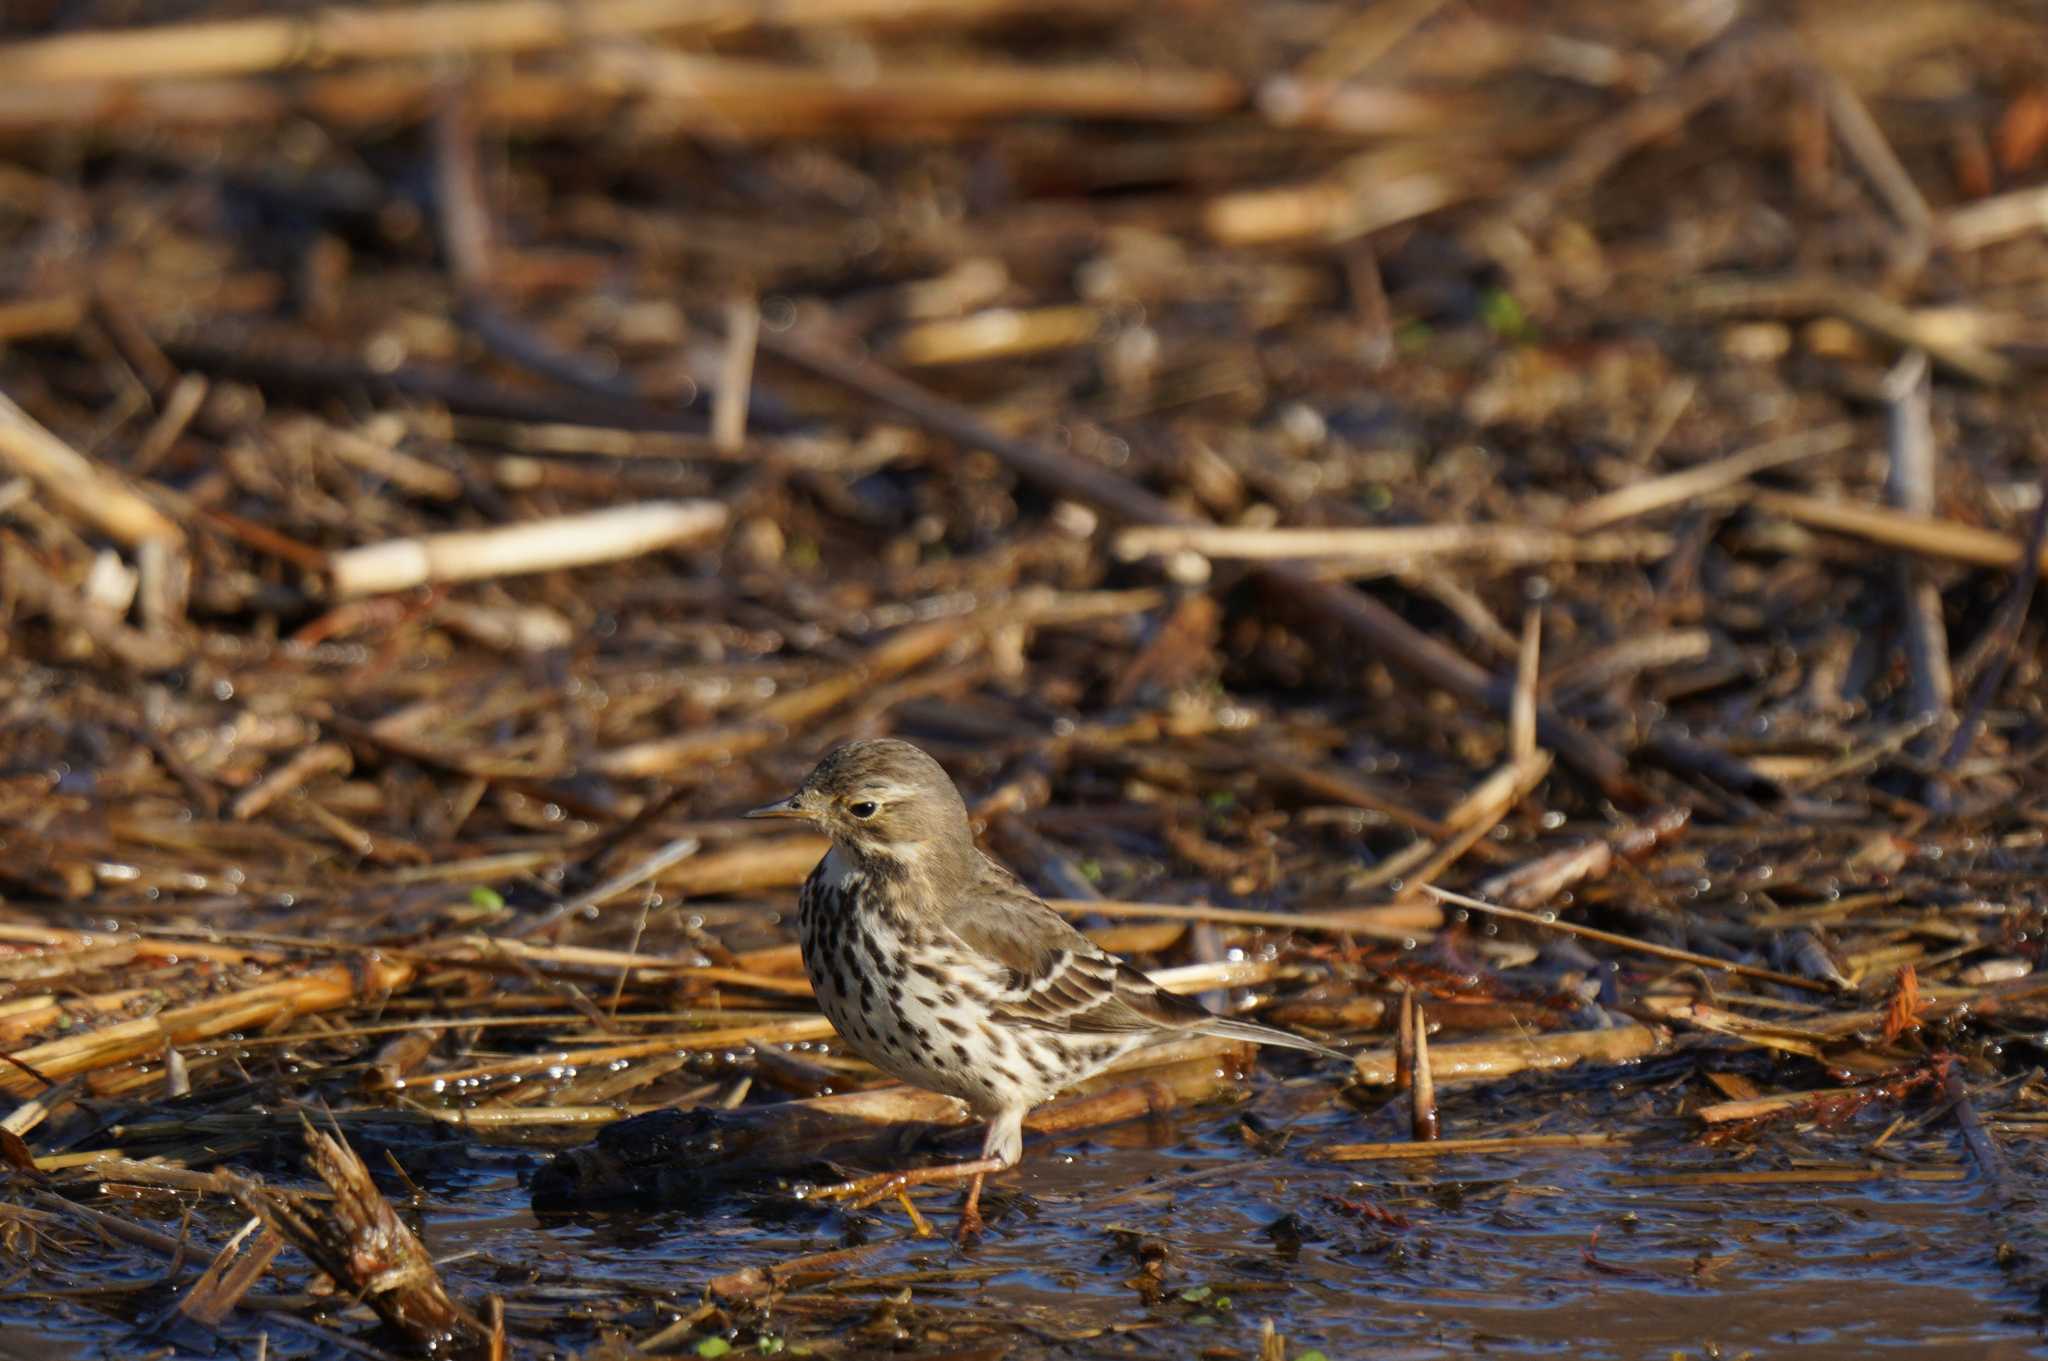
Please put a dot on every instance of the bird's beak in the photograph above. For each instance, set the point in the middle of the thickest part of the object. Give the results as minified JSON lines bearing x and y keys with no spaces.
{"x":781,"y":808}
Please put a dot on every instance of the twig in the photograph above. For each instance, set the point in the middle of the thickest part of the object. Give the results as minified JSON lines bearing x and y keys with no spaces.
{"x":1630,"y":942}
{"x":1986,"y":222}
{"x":1911,"y":488}
{"x":1394,"y":922}
{"x":1447,"y":1148}
{"x":1924,"y":534}
{"x":1867,"y":143}
{"x":84,"y":488}
{"x":1656,"y":493}
{"x":1395,"y":545}
{"x":626,"y":880}
{"x":1854,"y":302}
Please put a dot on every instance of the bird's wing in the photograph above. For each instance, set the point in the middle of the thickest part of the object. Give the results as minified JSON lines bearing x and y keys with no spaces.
{"x":1056,"y":978}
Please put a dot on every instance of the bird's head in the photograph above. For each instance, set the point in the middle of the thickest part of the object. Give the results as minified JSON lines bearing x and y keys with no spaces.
{"x":881,"y":799}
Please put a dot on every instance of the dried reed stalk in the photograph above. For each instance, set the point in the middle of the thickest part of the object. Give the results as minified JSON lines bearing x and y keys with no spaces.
{"x":541,"y":546}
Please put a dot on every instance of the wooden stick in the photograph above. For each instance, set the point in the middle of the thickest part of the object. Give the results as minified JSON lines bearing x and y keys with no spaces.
{"x":538,"y":546}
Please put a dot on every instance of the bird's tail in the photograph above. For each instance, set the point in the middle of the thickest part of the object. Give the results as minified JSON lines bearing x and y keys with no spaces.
{"x":1265,"y":1034}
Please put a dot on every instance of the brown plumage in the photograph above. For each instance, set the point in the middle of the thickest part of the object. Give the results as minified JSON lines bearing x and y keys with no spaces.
{"x":936,"y":965}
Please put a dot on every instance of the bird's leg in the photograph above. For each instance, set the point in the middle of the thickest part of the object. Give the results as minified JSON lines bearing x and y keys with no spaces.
{"x":1003,"y":1147}
{"x":970,"y":1210}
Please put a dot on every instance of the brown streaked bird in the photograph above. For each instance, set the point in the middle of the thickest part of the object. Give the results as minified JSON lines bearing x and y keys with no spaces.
{"x":937,"y":966}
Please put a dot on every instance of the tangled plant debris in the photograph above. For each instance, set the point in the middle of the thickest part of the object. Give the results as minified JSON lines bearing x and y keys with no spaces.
{"x":1502,"y":537}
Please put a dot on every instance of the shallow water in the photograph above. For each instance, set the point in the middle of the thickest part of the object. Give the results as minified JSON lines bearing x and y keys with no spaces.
{"x":1498,"y":1255}
{"x":1535,"y":1254}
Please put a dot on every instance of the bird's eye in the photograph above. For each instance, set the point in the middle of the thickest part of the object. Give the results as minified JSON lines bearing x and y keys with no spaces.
{"x":864,"y":809}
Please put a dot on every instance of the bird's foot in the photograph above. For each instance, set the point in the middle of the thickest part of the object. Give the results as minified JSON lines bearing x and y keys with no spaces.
{"x":862,"y":1192}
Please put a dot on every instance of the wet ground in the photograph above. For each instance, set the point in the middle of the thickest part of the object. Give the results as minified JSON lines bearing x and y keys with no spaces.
{"x":1179,"y":1237}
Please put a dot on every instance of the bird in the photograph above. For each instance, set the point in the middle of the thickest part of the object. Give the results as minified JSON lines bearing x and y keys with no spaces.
{"x":939,"y":967}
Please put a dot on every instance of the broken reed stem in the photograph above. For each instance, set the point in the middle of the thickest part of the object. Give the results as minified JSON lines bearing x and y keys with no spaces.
{"x":1983,"y":1147}
{"x":648,"y":95}
{"x":1927,"y":535}
{"x":1394,"y":922}
{"x":2003,"y":637}
{"x":1445,"y":1148}
{"x":93,"y":494}
{"x":1911,"y":488}
{"x":1866,"y":142}
{"x":781,"y":717}
{"x":735,"y":375}
{"x":1679,"y":488}
{"x":538,"y":546}
{"x":1504,"y":544}
{"x":1519,"y":1053}
{"x":1797,"y":1176}
{"x":338,"y":34}
{"x":1422,"y":1095}
{"x":1404,"y":1043}
{"x":1853,"y":302}
{"x":1478,"y":813}
{"x":360,"y":1241}
{"x":1631,"y":943}
{"x":1522,"y":713}
{"x":650,"y":867}
{"x":319,"y":989}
